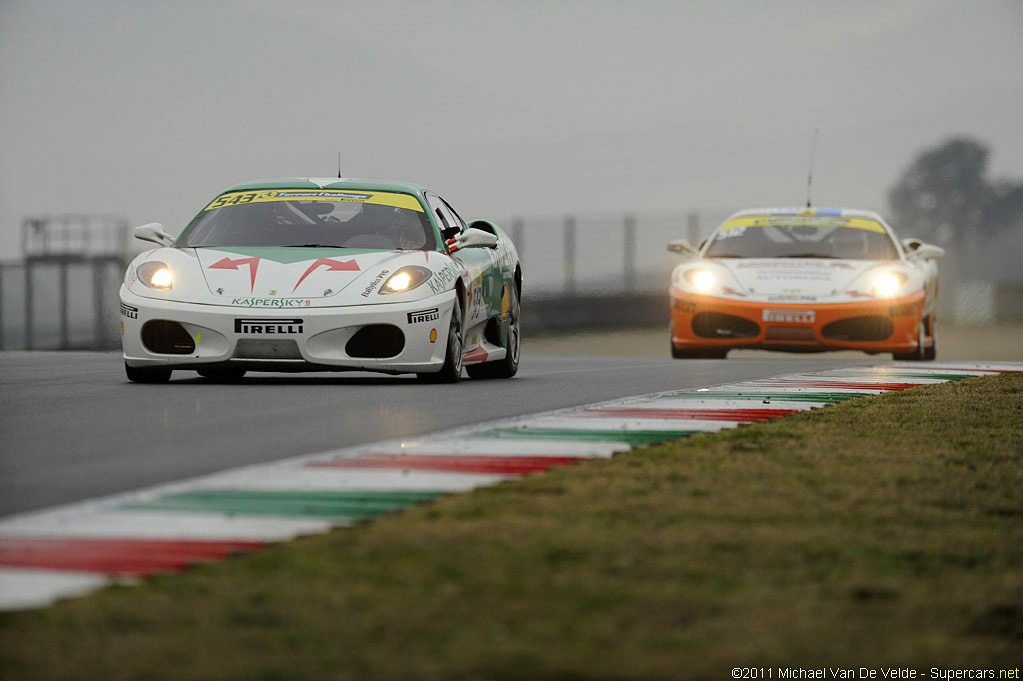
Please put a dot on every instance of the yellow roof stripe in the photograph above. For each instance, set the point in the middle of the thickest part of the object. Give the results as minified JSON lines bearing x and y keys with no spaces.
{"x":406,"y":201}
{"x":820,"y":220}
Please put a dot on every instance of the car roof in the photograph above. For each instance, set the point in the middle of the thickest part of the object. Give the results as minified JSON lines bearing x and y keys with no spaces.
{"x":329,"y":183}
{"x":810,"y":212}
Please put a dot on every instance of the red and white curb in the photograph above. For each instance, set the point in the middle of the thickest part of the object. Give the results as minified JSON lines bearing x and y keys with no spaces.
{"x":73,"y":549}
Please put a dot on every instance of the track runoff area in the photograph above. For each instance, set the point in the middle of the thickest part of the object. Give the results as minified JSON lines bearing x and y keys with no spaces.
{"x":70,"y":550}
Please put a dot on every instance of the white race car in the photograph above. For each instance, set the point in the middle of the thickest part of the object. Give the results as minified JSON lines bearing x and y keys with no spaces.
{"x":805,"y":280}
{"x":324,"y":275}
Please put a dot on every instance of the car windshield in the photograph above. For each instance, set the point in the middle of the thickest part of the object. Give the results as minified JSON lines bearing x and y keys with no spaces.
{"x":339,"y":219}
{"x":802,"y":237}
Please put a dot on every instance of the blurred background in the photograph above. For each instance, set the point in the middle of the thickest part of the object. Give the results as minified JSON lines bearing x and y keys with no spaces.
{"x":594,"y":132}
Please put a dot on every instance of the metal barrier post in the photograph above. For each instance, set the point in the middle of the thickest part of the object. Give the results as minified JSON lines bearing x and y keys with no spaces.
{"x":1,"y":307}
{"x":518,"y":236}
{"x":694,"y":229}
{"x":629,"y":252}
{"x":29,"y":304}
{"x":99,"y":268}
{"x":569,"y":262}
{"x":65,"y":335}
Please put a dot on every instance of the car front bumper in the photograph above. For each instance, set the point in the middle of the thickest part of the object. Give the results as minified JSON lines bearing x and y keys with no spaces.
{"x":296,"y":339}
{"x":872,"y":325}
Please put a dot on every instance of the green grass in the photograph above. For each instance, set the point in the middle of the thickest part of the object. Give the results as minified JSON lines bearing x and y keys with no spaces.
{"x":884,"y":530}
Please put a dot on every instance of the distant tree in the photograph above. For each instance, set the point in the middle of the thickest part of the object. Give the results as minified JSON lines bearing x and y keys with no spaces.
{"x":945,"y":196}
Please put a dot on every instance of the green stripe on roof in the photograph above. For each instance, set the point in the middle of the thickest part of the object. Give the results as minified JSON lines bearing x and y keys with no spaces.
{"x":305,"y":504}
{"x":632,"y":437}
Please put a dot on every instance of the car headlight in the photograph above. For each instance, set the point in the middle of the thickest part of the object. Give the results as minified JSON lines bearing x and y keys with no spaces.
{"x":701,"y":280}
{"x":406,"y":279}
{"x":887,"y":284}
{"x":155,"y":275}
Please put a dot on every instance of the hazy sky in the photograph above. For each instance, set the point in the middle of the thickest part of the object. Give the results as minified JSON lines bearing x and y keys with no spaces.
{"x":146,"y":109}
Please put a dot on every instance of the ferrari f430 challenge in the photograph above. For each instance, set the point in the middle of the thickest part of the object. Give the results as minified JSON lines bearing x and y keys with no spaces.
{"x":321,"y":275}
{"x":805,"y":280}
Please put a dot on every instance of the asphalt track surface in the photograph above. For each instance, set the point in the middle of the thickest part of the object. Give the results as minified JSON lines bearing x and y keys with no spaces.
{"x":72,"y":427}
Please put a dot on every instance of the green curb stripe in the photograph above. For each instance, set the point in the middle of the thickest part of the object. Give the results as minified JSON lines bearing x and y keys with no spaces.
{"x":829,"y":398}
{"x":632,"y":437}
{"x":285,"y":503}
{"x":899,"y":374}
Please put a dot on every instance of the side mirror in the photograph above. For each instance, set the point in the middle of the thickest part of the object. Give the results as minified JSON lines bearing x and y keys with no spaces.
{"x":153,"y":232}
{"x":682,"y":247}
{"x":472,"y":238}
{"x":927,"y":252}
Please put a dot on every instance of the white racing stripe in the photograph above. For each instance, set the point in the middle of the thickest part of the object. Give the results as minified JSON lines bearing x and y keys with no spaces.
{"x":20,"y":589}
{"x":115,"y":517}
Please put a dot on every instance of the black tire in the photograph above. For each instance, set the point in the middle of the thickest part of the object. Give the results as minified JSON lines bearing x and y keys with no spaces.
{"x":141,"y":375}
{"x":509,"y":366}
{"x":451,"y":372}
{"x":222,"y":374}
{"x":698,"y":353}
{"x":931,"y":353}
{"x":919,"y":353}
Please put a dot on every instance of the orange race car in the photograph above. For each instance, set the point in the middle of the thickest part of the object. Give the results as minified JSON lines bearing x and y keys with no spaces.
{"x":805,"y":280}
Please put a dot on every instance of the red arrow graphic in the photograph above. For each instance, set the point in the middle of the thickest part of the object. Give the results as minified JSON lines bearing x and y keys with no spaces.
{"x":228,"y":264}
{"x":332,"y":266}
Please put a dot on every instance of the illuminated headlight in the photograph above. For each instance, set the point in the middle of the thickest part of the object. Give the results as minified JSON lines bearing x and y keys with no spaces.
{"x":887,"y":284}
{"x":155,"y":275}
{"x":701,"y":280}
{"x":406,"y":279}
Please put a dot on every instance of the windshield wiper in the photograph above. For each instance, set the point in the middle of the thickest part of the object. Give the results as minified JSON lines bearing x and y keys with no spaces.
{"x":313,"y":246}
{"x":808,"y":255}
{"x":725,"y":255}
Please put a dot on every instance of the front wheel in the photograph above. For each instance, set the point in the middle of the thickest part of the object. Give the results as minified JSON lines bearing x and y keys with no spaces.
{"x":451,"y":372}
{"x":147,"y":375}
{"x":509,"y":366}
{"x":921,"y":352}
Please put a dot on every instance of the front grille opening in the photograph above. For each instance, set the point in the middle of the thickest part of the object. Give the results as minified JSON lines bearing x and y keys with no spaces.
{"x":256,"y":348}
{"x":720,"y":325}
{"x":376,"y":341}
{"x":789,"y":333}
{"x":866,"y":328}
{"x":167,"y":338}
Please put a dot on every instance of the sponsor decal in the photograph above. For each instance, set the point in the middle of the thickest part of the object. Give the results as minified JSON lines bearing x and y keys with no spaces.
{"x":122,"y":327}
{"x":790,"y":316}
{"x":423,"y":316}
{"x":406,"y":201}
{"x":198,"y":338}
{"x":272,"y":302}
{"x":377,"y":280}
{"x":433,"y":335}
{"x":129,"y":312}
{"x":270,"y":326}
{"x":904,"y":310}
{"x":440,"y":279}
{"x":228,"y":264}
{"x":808,"y":219}
{"x":331,"y":265}
{"x":792,"y":299}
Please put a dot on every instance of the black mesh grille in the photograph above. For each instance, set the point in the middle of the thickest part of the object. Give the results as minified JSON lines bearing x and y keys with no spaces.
{"x":376,"y":341}
{"x":718,"y":325}
{"x":867,"y":328}
{"x":167,"y":338}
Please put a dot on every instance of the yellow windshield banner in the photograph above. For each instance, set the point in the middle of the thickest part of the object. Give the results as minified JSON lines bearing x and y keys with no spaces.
{"x":809,"y":220}
{"x":406,"y":201}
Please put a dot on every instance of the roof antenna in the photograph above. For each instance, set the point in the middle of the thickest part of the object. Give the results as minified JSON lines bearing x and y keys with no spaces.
{"x":809,"y":174}
{"x":339,"y":165}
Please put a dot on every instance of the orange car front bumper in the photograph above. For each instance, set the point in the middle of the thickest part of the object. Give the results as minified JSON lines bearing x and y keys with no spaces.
{"x":872,"y":325}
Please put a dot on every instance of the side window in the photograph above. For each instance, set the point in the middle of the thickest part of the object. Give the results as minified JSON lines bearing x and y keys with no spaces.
{"x":450,"y":226}
{"x":458,"y":218}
